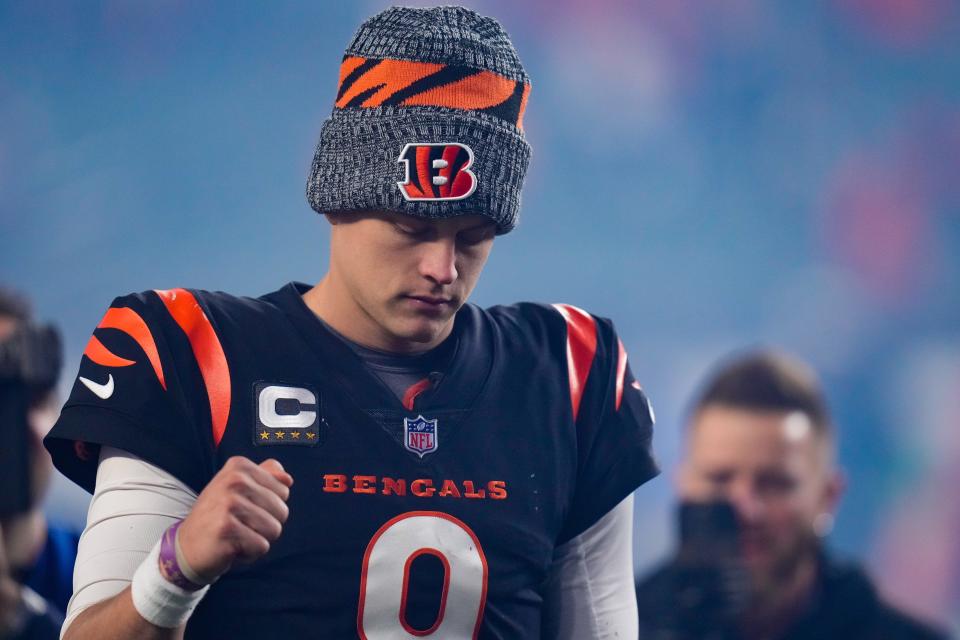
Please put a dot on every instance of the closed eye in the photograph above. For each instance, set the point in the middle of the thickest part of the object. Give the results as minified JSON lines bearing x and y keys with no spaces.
{"x":476,"y":236}
{"x":719,"y":479}
{"x":416,"y":232}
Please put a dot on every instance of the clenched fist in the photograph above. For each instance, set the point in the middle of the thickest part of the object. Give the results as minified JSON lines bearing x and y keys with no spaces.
{"x":236,"y":517}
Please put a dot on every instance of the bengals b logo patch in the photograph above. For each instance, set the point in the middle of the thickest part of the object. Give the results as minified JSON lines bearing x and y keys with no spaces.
{"x":437,"y":171}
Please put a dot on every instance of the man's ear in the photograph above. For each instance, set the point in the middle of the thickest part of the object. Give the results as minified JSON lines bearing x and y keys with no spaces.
{"x":833,"y":490}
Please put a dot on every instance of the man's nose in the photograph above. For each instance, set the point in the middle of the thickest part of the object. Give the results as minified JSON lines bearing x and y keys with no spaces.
{"x":439,"y":261}
{"x":745,"y":500}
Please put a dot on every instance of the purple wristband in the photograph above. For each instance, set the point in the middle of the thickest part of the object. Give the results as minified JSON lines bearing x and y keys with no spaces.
{"x":169,"y":567}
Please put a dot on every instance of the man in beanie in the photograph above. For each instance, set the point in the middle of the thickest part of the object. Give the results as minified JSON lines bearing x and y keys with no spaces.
{"x":368,"y":457}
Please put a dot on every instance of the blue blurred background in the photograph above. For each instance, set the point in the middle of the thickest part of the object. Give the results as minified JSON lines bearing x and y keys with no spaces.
{"x":710,"y":175}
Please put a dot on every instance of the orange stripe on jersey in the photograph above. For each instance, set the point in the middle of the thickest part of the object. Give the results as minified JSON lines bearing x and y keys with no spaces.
{"x":207,"y":350}
{"x":129,"y":321}
{"x":414,"y":390}
{"x":479,"y":91}
{"x":621,"y":371}
{"x":97,"y":352}
{"x":384,"y":80}
{"x":581,"y":347}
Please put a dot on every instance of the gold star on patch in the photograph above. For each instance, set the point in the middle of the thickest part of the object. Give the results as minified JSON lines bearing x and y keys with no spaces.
{"x":295,"y":435}
{"x":311,"y":435}
{"x":264,"y":435}
{"x":279,"y":434}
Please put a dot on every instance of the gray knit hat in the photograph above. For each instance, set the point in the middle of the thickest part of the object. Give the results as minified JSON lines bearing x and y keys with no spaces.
{"x":427,"y":120}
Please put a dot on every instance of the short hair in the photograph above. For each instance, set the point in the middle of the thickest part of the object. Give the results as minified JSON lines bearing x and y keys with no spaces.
{"x":767,"y":380}
{"x":14,"y":305}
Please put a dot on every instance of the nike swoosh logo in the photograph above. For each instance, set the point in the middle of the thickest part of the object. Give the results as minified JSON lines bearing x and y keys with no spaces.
{"x":102,"y":391}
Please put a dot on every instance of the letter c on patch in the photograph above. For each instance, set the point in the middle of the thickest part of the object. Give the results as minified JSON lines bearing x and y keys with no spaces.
{"x":267,"y":407}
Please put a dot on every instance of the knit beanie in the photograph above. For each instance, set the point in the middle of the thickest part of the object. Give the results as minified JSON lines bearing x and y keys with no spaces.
{"x":427,"y":120}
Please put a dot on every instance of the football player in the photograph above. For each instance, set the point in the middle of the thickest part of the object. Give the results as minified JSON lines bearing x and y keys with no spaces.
{"x":368,"y":457}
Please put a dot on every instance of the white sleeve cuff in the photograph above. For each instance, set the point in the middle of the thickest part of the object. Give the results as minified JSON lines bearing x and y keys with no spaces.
{"x":133,"y":504}
{"x":158,"y":601}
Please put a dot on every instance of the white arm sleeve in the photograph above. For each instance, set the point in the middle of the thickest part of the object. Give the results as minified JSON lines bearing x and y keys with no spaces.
{"x":590,"y":592}
{"x":133,"y":504}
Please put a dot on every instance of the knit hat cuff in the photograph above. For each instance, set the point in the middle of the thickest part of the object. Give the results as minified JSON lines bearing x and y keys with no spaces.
{"x":358,"y":167}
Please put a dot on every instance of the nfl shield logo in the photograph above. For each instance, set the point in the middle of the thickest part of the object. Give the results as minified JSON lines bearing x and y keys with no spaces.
{"x":420,"y":435}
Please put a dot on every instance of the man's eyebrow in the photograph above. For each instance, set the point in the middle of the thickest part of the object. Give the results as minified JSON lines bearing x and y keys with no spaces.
{"x":411,"y":222}
{"x":480,"y":225}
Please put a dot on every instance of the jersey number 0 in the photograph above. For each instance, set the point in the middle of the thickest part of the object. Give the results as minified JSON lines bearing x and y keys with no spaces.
{"x":386,"y":573}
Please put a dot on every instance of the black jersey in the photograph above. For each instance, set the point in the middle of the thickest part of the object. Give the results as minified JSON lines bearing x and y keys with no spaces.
{"x":432,"y":516}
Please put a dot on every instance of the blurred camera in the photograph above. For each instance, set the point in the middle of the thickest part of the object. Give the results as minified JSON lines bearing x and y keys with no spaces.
{"x":30,"y":361}
{"x":33,"y":354}
{"x":712,"y":585}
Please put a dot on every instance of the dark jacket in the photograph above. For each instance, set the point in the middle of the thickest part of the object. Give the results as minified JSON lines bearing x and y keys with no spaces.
{"x":845,"y":606}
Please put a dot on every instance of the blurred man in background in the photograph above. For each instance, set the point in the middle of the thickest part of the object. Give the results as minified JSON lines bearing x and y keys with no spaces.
{"x":36,"y":559}
{"x":759,"y":485}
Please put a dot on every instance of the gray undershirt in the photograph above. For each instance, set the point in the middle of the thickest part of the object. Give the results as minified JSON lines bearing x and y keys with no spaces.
{"x":400,"y":371}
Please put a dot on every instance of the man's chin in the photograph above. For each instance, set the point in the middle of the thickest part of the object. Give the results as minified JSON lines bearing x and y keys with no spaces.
{"x":761,"y":562}
{"x":768,"y":569}
{"x":422,"y":334}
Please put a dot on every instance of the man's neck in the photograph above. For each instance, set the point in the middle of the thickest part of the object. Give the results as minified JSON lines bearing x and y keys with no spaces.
{"x":326,"y":301}
{"x":331,"y":303}
{"x":776,"y":609}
